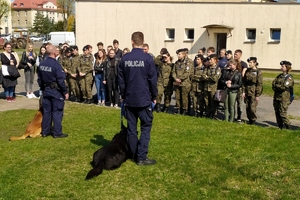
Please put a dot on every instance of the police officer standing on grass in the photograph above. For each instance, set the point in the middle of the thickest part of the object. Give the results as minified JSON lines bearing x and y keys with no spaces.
{"x":51,"y":80}
{"x":138,"y":88}
{"x":283,"y":94}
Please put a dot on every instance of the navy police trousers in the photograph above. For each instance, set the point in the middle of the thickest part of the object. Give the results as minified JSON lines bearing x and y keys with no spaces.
{"x":52,"y":111}
{"x":139,"y":147}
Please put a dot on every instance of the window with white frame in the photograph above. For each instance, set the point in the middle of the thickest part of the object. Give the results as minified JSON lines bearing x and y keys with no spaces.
{"x":25,"y":13}
{"x":189,"y":34}
{"x":26,"y":22}
{"x":251,"y":34}
{"x":275,"y":34}
{"x":170,"y":34}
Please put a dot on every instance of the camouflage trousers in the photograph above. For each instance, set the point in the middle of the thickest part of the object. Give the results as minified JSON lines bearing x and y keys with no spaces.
{"x":86,"y":85}
{"x":281,"y":108}
{"x":198,"y":101}
{"x":182,"y":97}
{"x":167,"y":92}
{"x":74,"y":89}
{"x":251,"y":105}
{"x":210,"y":104}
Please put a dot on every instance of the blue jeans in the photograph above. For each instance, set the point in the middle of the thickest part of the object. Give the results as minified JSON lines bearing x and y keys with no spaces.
{"x":100,"y":87}
{"x":9,"y":91}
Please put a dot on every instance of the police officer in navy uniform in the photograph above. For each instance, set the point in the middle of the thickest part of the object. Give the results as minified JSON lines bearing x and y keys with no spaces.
{"x":138,"y":88}
{"x":51,"y":80}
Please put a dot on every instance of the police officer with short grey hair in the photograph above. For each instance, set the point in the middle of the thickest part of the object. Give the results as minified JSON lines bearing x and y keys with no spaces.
{"x":51,"y":80}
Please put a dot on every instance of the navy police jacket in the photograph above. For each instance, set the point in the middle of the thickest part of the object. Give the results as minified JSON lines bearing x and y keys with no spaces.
{"x":51,"y":72}
{"x":137,"y":78}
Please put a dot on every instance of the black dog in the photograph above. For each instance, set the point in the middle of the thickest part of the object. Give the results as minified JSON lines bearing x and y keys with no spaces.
{"x":111,"y":156}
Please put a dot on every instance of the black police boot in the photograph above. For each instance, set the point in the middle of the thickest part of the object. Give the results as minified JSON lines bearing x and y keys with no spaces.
{"x":89,"y":101}
{"x":84,"y":101}
{"x":157,"y":107}
{"x":280,"y":126}
{"x":184,"y":112}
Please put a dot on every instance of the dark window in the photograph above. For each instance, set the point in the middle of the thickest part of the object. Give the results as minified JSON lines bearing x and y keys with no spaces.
{"x":189,"y":34}
{"x":275,"y":34}
{"x":170,"y":34}
{"x":251,"y":34}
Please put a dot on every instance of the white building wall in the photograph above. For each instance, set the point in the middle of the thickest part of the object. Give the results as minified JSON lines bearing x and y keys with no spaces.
{"x":105,"y":21}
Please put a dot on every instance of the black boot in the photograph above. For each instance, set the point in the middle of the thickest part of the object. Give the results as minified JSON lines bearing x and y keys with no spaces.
{"x":175,"y":111}
{"x":287,"y":126}
{"x":157,"y":107}
{"x":200,"y":114}
{"x":165,"y":110}
{"x":184,"y":112}
{"x":84,"y":101}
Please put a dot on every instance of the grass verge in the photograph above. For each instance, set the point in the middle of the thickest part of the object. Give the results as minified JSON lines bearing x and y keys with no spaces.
{"x":197,"y":159}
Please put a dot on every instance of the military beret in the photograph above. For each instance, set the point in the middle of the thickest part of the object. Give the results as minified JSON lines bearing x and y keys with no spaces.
{"x":164,"y":51}
{"x":212,"y":56}
{"x":252,"y":58}
{"x":186,"y":50}
{"x":284,"y":62}
{"x":228,"y":52}
{"x":200,"y":56}
{"x":179,"y":50}
{"x":85,"y":48}
{"x":74,"y":47}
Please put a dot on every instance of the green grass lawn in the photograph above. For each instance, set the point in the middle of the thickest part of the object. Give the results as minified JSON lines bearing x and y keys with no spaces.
{"x":196,"y":159}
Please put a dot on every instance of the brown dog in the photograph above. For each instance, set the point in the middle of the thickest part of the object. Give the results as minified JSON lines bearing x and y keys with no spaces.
{"x":34,"y":127}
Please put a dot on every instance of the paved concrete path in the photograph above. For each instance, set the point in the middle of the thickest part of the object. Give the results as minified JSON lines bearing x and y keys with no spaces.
{"x":265,"y":111}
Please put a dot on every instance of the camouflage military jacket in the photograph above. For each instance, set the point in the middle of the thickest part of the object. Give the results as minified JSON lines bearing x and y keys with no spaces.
{"x":66,"y":63}
{"x":211,"y":77}
{"x":164,"y":73}
{"x":197,"y":81}
{"x":282,"y":86}
{"x":183,"y":70}
{"x":86,"y":63}
{"x":253,"y":82}
{"x":75,"y":63}
{"x":158,"y":60}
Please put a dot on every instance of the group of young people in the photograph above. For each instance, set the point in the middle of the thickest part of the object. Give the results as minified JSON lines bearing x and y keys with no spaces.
{"x":197,"y":83}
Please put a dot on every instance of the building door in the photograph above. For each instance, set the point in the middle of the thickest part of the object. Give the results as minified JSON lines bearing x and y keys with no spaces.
{"x":221,"y":41}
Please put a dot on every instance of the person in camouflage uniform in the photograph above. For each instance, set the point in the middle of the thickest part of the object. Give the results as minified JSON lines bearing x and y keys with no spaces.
{"x":165,"y":81}
{"x":74,"y":83}
{"x":86,"y":74}
{"x":66,"y":65}
{"x":283,"y":94}
{"x":211,"y":77}
{"x":252,"y":88}
{"x":181,"y":73}
{"x":198,"y":87}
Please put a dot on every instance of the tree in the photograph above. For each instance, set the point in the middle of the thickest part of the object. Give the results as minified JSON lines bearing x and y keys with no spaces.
{"x":66,"y":7}
{"x":41,"y":25}
{"x":4,"y":8}
{"x":71,"y":23}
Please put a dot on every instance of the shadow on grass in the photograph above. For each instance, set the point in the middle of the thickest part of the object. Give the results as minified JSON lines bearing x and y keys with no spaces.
{"x":99,"y":140}
{"x":275,"y":125}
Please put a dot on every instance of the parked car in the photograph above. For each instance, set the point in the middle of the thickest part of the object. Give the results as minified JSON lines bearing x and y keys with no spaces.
{"x":36,"y":38}
{"x":7,"y":37}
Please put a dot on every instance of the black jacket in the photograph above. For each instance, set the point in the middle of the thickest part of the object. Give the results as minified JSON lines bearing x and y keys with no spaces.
{"x":234,"y":76}
{"x":26,"y":60}
{"x":108,"y":68}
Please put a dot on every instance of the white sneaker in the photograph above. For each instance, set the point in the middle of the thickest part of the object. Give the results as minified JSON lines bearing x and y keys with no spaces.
{"x":116,"y":106}
{"x":111,"y":105}
{"x":29,"y":96}
{"x":33,"y":96}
